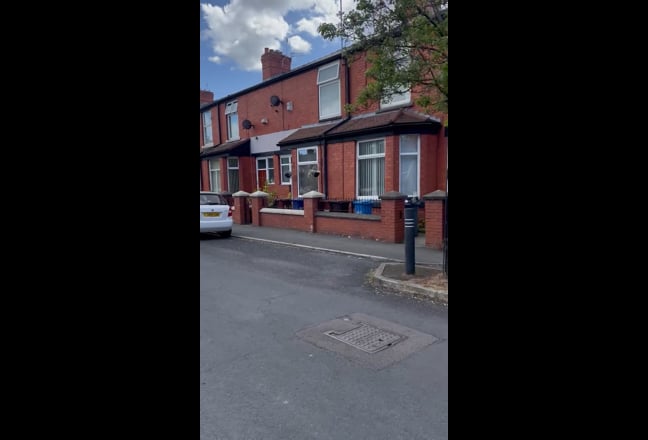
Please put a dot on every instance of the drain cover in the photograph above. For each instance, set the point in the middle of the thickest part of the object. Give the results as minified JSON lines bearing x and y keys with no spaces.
{"x":367,"y":338}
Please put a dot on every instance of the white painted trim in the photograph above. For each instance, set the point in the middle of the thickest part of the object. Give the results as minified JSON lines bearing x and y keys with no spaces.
{"x":283,"y":211}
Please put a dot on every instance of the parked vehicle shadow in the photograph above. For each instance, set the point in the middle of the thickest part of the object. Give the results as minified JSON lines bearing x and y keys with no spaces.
{"x":213,"y":236}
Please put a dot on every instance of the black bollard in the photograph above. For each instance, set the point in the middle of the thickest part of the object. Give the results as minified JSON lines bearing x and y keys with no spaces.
{"x":410,"y":225}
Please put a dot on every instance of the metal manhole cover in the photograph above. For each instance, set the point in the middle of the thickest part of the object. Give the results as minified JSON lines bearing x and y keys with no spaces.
{"x":367,"y":338}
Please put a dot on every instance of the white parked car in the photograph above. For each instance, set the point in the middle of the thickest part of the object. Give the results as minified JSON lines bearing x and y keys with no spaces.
{"x":215,"y":214}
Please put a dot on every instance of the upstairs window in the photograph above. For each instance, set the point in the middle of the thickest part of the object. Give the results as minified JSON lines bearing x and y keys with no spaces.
{"x":232,"y":120}
{"x":328,"y":81}
{"x":208,"y":138}
{"x":402,"y":96}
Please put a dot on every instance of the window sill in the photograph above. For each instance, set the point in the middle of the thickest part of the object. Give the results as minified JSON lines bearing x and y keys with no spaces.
{"x":384,"y":109}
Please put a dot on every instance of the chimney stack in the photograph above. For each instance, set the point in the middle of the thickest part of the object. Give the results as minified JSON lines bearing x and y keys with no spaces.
{"x":274,"y":63}
{"x":206,"y":97}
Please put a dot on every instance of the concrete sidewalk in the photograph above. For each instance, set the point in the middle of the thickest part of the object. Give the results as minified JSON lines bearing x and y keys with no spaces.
{"x":390,"y":274}
{"x":393,"y":252}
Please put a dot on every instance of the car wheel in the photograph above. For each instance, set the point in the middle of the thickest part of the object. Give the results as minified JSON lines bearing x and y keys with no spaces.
{"x":226,"y":234}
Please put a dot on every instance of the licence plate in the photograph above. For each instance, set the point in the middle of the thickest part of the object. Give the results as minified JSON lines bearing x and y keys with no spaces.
{"x":211,"y":214}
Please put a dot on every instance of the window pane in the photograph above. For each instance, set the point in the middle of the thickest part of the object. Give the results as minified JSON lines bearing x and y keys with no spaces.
{"x":307,"y":181}
{"x":285,"y":169}
{"x":408,"y":143}
{"x":261,"y":164}
{"x":307,"y":155}
{"x":231,"y":107}
{"x":329,"y":99}
{"x":233,"y":180}
{"x":214,"y":175}
{"x":409,"y":175}
{"x":270,"y":165}
{"x":232,"y":126}
{"x":371,"y":168}
{"x":371,"y":177}
{"x":373,"y":147}
{"x":396,"y":99}
{"x":327,"y":73}
{"x":207,"y":131}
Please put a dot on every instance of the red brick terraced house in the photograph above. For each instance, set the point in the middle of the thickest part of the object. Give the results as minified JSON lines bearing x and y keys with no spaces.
{"x":291,"y":134}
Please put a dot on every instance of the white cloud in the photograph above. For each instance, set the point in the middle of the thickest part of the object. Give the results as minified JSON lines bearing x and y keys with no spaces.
{"x":241,"y":29}
{"x":298,"y":44}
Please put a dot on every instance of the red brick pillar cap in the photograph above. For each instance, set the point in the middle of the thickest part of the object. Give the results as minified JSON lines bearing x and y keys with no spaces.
{"x":436,"y":195}
{"x":313,"y":195}
{"x":393,"y":195}
{"x":259,"y":194}
{"x":240,"y":194}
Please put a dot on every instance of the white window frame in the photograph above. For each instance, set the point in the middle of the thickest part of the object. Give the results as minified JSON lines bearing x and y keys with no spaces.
{"x":400,"y":98}
{"x":366,"y":157}
{"x":269,"y":181}
{"x":285,"y":180}
{"x":397,"y":99}
{"x":329,"y":82}
{"x":231,"y":111}
{"x":306,"y":163}
{"x":418,"y":164}
{"x":207,"y":129}
{"x":214,"y":187}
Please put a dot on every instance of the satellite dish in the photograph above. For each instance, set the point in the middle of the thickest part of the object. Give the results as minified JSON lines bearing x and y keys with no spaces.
{"x":274,"y":100}
{"x":246,"y":124}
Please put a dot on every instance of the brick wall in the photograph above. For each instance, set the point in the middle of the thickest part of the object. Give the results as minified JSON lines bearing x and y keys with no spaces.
{"x":370,"y":229}
{"x":283,"y":221}
{"x":428,"y":164}
{"x":301,"y":90}
{"x":434,"y":212}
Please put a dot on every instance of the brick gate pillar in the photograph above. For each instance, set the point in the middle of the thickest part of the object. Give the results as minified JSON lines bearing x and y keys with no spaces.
{"x":311,"y":206}
{"x":258,"y":199}
{"x":241,"y":210}
{"x":392,"y":216}
{"x":434,"y":210}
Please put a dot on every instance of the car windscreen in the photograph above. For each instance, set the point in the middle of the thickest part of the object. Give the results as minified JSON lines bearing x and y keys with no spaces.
{"x":212,"y":199}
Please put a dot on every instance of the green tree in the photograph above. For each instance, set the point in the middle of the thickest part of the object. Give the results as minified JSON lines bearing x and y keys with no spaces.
{"x":406,"y":42}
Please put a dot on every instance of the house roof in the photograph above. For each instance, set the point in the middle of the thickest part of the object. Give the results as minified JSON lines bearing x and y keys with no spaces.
{"x":296,"y":71}
{"x":399,"y":120}
{"x":373,"y":122}
{"x":307,"y":134}
{"x":233,"y":148}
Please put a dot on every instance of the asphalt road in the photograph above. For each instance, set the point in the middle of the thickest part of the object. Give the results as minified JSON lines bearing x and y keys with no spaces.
{"x":260,"y":380}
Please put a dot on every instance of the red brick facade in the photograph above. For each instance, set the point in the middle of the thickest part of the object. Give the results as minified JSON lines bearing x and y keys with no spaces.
{"x":289,"y":100}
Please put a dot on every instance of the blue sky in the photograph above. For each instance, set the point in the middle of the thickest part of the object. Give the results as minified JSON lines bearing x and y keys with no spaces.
{"x":234,"y":33}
